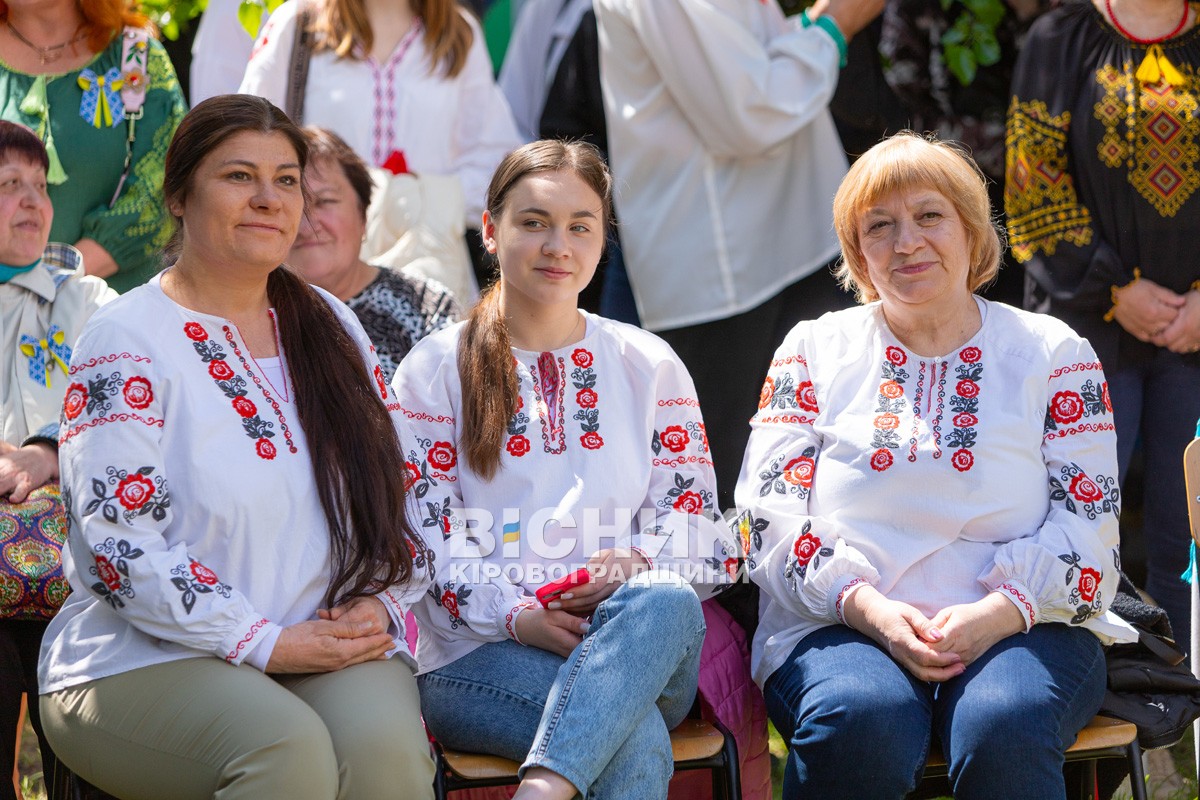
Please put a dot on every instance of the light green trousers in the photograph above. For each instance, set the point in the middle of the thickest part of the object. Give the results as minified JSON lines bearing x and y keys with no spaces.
{"x":200,"y":728}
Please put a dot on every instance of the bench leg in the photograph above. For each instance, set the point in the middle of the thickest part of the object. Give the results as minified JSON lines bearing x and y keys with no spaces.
{"x":1137,"y":776}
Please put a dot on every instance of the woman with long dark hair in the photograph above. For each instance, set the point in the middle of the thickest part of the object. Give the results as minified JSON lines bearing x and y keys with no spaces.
{"x":241,"y":560}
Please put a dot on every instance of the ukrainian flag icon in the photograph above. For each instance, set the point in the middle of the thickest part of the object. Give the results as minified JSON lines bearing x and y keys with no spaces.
{"x":512,"y":532}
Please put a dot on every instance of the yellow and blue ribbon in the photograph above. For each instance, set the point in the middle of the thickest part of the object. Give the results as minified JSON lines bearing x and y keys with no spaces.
{"x":45,"y":354}
{"x":101,"y":105}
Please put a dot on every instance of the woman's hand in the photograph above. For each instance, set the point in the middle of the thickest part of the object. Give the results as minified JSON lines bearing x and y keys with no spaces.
{"x":851,"y":16}
{"x":360,"y":609}
{"x":554,"y":631}
{"x":1183,"y":334}
{"x":23,"y":469}
{"x":1146,"y":309}
{"x":327,"y":645}
{"x":609,"y":569}
{"x":970,"y":629}
{"x":903,"y":632}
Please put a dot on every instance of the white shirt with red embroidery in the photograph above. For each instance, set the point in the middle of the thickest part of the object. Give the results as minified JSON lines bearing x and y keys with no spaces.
{"x":936,"y":480}
{"x":607,"y":449}
{"x":196,"y":529}
{"x":444,"y":126}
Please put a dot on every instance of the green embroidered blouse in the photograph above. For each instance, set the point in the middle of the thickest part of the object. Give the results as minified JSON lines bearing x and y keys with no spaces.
{"x":135,"y":229}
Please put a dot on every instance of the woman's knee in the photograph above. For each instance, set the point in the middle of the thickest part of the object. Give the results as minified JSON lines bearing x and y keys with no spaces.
{"x":664,"y":597}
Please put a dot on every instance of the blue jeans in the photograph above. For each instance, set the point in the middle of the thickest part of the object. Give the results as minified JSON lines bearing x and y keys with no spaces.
{"x":1158,"y":400}
{"x":860,"y":725}
{"x":600,"y":718}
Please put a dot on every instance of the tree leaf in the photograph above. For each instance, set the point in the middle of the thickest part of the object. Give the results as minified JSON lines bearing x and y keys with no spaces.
{"x":961,"y":63}
{"x":250,"y":14}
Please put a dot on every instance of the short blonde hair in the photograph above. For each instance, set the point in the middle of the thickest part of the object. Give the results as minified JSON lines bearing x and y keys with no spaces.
{"x":908,"y":161}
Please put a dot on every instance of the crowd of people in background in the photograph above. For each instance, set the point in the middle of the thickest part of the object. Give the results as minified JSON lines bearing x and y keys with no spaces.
{"x":310,"y":389}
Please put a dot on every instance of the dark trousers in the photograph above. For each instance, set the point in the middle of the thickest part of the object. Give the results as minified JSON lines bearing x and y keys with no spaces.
{"x":19,"y":645}
{"x":728,"y":360}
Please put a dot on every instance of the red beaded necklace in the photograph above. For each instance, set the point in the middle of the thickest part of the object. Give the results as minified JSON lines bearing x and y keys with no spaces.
{"x":1116,"y":24}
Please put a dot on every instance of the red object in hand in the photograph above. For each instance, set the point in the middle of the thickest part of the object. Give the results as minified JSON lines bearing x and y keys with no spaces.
{"x":552,"y":590}
{"x":396,"y":163}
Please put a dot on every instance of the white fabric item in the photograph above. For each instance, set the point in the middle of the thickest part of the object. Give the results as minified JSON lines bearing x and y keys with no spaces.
{"x":623,"y":431}
{"x":196,"y":529}
{"x":416,"y":222}
{"x":444,"y":126}
{"x":981,"y":488}
{"x":220,"y":52}
{"x":52,"y":294}
{"x":725,"y":155}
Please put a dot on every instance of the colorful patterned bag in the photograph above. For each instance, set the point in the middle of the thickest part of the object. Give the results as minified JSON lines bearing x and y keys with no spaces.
{"x":32,"y":534}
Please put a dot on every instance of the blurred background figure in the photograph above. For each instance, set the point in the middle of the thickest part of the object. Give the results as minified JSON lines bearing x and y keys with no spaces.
{"x":45,"y":299}
{"x":102,"y":95}
{"x":396,"y":308}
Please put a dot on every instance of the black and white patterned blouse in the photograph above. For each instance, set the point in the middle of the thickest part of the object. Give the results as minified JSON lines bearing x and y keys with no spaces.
{"x":398,"y":309}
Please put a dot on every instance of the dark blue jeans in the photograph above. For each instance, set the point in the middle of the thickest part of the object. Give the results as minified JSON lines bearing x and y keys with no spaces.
{"x":860,"y":725}
{"x":1158,"y":400}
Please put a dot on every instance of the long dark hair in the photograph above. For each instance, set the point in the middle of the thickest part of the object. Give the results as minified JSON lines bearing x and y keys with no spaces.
{"x":490,"y":388}
{"x":353,"y":445}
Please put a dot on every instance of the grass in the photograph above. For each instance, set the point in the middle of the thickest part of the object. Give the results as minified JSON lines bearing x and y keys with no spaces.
{"x":29,"y":766}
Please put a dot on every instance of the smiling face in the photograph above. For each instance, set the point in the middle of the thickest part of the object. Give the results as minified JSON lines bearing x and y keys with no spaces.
{"x":25,"y":211}
{"x":916,"y":249}
{"x":243,"y":205}
{"x":548,"y":239}
{"x":331,"y":231}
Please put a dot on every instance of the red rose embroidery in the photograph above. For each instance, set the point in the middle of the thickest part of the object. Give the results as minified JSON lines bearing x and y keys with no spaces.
{"x":805,"y":548}
{"x":219,"y":370}
{"x":442,"y":456}
{"x":520,"y":403}
{"x":896,"y":356}
{"x":445,"y":523}
{"x":1089,"y":582}
{"x":412,"y":474}
{"x":887,"y":422}
{"x":689,"y":503}
{"x":891,"y":390}
{"x":517,"y":446}
{"x":379,"y":382}
{"x":75,"y":401}
{"x":962,"y":460}
{"x":265,"y":449}
{"x":450,"y":603}
{"x":799,"y":471}
{"x":244,"y":406}
{"x":881,"y":459}
{"x":1085,"y":489}
{"x":582,"y":358}
{"x":967,"y":388}
{"x":108,"y":573}
{"x":1066,"y":407}
{"x":203,"y":574}
{"x":731,"y":568}
{"x":134,"y":490}
{"x":137,"y":392}
{"x":806,"y":396}
{"x":675,"y":438}
{"x":1105,"y":398}
{"x":586,"y":398}
{"x":965,"y":420}
{"x":591,"y":440}
{"x":970,"y":355}
{"x":768,"y":391}
{"x":195,"y":331}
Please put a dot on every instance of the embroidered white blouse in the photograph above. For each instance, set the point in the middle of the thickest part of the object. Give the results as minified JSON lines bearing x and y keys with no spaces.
{"x":937,"y":480}
{"x":607,"y":449}
{"x":196,"y":529}
{"x":444,"y":126}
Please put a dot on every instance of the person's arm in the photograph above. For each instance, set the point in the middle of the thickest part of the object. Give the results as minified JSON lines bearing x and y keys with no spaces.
{"x":133,"y":232}
{"x":741,"y":97}
{"x":1068,"y":570}
{"x":267,"y":72}
{"x":23,"y":469}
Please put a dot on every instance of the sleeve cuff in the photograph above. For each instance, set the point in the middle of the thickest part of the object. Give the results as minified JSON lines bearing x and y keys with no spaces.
{"x":261,"y":649}
{"x":246,"y":637}
{"x":510,"y":619}
{"x":643,"y":554}
{"x":841,"y":591}
{"x":1022,"y":598}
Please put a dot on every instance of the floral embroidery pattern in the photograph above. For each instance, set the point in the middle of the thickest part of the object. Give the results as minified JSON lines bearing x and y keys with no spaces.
{"x":287,"y":434}
{"x":233,"y":386}
{"x":807,"y":552}
{"x":583,"y":378}
{"x":548,"y":393}
{"x":680,"y":497}
{"x":518,"y":443}
{"x":421,"y":475}
{"x":112,"y":557}
{"x":749,"y":531}
{"x":135,"y":494}
{"x":1081,"y":494}
{"x":452,"y":600}
{"x":1085,"y":595}
{"x":195,"y":579}
{"x":1067,"y":408}
{"x":965,"y":405}
{"x":795,"y":477}
{"x":138,"y":393}
{"x":889,"y":405}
